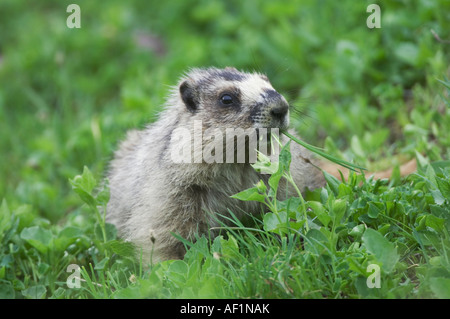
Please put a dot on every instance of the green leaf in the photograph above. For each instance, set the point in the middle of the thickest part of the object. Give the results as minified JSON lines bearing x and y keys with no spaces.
{"x":125,"y":249}
{"x":446,"y":84}
{"x":251,"y":194}
{"x":273,"y":183}
{"x":444,"y":187}
{"x":440,"y":287}
{"x":110,"y":230}
{"x":344,"y":190}
{"x":177,"y":272}
{"x":285,"y":156}
{"x":264,"y":164}
{"x":58,"y":294}
{"x":318,"y":210}
{"x":384,"y":229}
{"x":229,"y":247}
{"x":148,"y":288}
{"x":361,"y":286}
{"x":71,"y":232}
{"x":37,"y":237}
{"x":86,"y":181}
{"x":293,"y":205}
{"x":142,"y":289}
{"x":35,"y":292}
{"x":333,"y":182}
{"x":435,"y":222}
{"x":438,"y":165}
{"x":6,"y":291}
{"x":261,"y":187}
{"x":437,"y":195}
{"x":431,"y":179}
{"x":375,"y":209}
{"x":339,"y":207}
{"x":422,"y":162}
{"x":83,"y":185}
{"x":273,"y":222}
{"x":384,"y":251}
{"x":85,"y":197}
{"x":103,"y":196}
{"x":357,"y":231}
{"x":356,"y":146}
{"x":395,"y":176}
{"x":421,"y":222}
{"x":316,"y":242}
{"x":407,"y":52}
{"x":102,"y":264}
{"x":179,"y":266}
{"x":6,"y":215}
{"x":430,"y":174}
{"x":5,"y":220}
{"x":66,"y":237}
{"x":283,"y":165}
{"x":43,"y":268}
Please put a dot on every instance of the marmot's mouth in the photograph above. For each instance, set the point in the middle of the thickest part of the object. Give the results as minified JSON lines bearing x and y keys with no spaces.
{"x":281,"y":124}
{"x":265,"y":134}
{"x":274,"y":123}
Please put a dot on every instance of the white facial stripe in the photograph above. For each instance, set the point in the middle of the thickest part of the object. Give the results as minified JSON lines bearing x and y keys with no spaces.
{"x":254,"y":86}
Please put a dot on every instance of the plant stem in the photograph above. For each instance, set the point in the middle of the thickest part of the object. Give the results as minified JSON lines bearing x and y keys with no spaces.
{"x":291,"y":180}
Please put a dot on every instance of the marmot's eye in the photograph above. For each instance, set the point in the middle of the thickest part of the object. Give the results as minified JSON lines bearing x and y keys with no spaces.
{"x":226,"y":99}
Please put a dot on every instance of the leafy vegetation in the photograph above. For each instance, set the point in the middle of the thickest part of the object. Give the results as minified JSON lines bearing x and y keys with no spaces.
{"x":375,"y":97}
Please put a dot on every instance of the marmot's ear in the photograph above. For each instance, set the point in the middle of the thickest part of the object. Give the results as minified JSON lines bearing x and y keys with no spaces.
{"x":230,"y":68}
{"x":188,"y":95}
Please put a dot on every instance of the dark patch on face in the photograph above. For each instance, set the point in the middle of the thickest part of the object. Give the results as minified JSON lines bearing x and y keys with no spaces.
{"x":231,"y":76}
{"x":270,"y":94}
{"x":281,"y":107}
{"x":226,"y":75}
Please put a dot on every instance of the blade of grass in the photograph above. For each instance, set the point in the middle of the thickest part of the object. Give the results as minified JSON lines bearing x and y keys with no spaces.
{"x":319,"y":151}
{"x":446,"y":83}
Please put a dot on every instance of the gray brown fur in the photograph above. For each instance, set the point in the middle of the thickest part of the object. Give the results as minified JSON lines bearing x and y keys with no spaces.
{"x":151,"y":196}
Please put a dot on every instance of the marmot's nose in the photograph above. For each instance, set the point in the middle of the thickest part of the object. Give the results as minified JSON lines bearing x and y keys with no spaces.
{"x":279,"y":111}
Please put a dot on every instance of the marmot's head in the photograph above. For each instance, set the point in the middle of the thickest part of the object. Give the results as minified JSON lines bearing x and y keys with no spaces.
{"x":228,"y":98}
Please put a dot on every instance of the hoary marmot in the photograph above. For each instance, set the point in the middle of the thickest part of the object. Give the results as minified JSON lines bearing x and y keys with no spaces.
{"x":154,"y":192}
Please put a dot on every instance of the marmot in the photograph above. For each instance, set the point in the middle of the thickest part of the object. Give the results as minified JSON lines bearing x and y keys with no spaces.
{"x":152,"y":195}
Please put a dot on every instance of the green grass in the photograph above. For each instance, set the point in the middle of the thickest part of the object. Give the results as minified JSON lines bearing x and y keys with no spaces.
{"x":373,"y":97}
